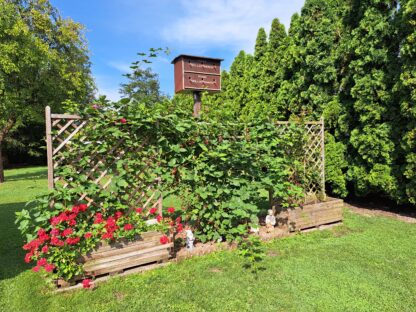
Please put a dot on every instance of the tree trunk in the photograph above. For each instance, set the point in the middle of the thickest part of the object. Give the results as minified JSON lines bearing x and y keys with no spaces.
{"x":1,"y":165}
{"x":3,"y":133}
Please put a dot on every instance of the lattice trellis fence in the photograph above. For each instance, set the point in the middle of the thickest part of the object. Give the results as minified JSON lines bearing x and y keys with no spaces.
{"x":314,"y":154}
{"x":61,"y":129}
{"x":101,"y":169}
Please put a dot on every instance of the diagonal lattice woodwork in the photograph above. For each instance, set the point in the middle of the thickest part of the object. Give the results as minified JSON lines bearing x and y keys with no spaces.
{"x":314,"y":155}
{"x":101,"y":168}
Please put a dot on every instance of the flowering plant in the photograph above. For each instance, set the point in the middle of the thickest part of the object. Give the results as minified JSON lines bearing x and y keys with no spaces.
{"x":73,"y":232}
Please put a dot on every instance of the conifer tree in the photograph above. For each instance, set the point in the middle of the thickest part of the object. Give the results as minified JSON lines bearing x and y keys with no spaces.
{"x":406,"y":92}
{"x":367,"y":106}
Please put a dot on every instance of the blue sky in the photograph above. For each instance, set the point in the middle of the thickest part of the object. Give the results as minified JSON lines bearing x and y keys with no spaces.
{"x":117,"y":29}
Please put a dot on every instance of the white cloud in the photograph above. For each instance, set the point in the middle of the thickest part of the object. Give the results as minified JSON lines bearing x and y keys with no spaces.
{"x":106,"y":85}
{"x":228,"y":22}
{"x":120,"y":66}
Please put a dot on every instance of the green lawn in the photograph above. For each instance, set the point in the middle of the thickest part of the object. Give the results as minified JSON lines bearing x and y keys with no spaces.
{"x":368,"y":264}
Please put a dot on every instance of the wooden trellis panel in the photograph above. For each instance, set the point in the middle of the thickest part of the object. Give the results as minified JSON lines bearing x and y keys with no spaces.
{"x":61,"y":130}
{"x":314,"y":154}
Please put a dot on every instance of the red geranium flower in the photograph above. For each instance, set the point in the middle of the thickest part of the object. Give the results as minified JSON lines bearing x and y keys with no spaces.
{"x":171,"y":210}
{"x":42,"y":262}
{"x":55,"y":232}
{"x":159,"y":218}
{"x":45,"y":249}
{"x":178,"y":220}
{"x":67,"y":232}
{"x":55,"y":220}
{"x":128,"y":227}
{"x":107,"y":236}
{"x":75,"y":209}
{"x":35,"y":269}
{"x":86,"y":283}
{"x":179,"y":227}
{"x":83,"y":207}
{"x":88,"y":235}
{"x":72,"y":240}
{"x":153,"y":210}
{"x":72,"y":222}
{"x":28,"y":257}
{"x":123,"y":120}
{"x":49,"y":267}
{"x":55,"y":241}
{"x":98,"y":218}
{"x":164,"y":239}
{"x":139,"y":210}
{"x":118,"y":215}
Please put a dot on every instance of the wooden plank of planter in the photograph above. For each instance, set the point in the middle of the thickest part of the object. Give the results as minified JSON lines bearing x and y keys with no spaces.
{"x":125,"y":263}
{"x":124,"y":254}
{"x":120,"y":250}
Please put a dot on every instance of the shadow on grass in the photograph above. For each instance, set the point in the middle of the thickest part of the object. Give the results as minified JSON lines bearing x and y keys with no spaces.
{"x":11,"y":242}
{"x":40,"y":173}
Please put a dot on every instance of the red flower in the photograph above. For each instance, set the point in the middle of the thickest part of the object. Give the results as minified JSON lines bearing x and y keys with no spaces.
{"x":83,"y":207}
{"x":28,"y":257}
{"x":171,"y":210}
{"x":153,"y":210}
{"x":49,"y":267}
{"x":45,"y":249}
{"x":111,"y":222}
{"x":67,"y":232}
{"x":72,"y":240}
{"x":123,"y":120}
{"x":164,"y":240}
{"x":107,"y":236}
{"x":35,"y":269}
{"x":88,"y":235}
{"x":75,"y":209}
{"x":139,"y":210}
{"x":179,"y":227}
{"x":72,"y":222}
{"x":128,"y":227}
{"x":86,"y":283}
{"x":42,"y":262}
{"x":159,"y":218}
{"x":118,"y":215}
{"x":57,"y":242}
{"x":55,"y":220}
{"x":98,"y":218}
{"x":55,"y":232}
{"x":178,"y":220}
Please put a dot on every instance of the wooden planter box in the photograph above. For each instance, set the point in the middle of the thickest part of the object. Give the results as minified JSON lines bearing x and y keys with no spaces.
{"x":311,"y":215}
{"x":122,"y":255}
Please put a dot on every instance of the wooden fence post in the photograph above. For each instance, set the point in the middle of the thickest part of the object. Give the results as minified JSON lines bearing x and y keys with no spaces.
{"x":49,"y":151}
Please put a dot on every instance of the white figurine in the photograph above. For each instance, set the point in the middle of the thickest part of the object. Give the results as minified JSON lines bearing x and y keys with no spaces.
{"x":189,"y":239}
{"x":270,"y":221}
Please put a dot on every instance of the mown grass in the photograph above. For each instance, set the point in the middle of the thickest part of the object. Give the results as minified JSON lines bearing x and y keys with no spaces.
{"x":367,"y":264}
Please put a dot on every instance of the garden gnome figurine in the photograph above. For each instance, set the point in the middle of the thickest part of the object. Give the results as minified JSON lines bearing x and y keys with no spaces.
{"x":270,"y":221}
{"x":189,"y":239}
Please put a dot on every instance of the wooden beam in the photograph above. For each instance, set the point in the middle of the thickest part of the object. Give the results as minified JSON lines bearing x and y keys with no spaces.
{"x":49,"y":148}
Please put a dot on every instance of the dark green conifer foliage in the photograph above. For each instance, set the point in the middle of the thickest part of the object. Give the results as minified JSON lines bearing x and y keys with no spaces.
{"x":368,"y":109}
{"x":406,"y":92}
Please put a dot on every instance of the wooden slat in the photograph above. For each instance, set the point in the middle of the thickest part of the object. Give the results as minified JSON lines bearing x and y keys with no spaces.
{"x":65,"y":116}
{"x":49,"y":148}
{"x":128,"y":262}
{"x":69,"y":137}
{"x":123,"y":254}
